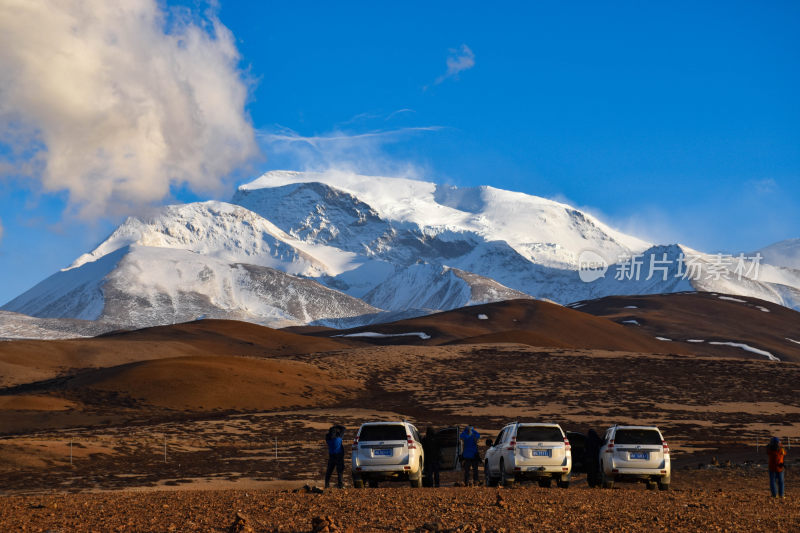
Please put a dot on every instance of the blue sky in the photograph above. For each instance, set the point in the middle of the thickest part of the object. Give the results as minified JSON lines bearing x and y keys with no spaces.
{"x":674,"y":122}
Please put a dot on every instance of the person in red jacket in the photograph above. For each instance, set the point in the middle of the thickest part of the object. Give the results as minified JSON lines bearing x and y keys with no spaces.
{"x":776,"y":453}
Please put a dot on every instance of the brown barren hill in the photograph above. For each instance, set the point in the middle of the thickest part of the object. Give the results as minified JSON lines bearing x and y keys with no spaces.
{"x":208,"y":383}
{"x":707,"y":318}
{"x":35,"y":360}
{"x":532,"y":322}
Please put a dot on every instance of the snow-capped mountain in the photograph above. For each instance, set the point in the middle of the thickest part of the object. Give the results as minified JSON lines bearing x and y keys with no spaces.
{"x":526,"y":243}
{"x":404,"y":220}
{"x":784,"y":254}
{"x":334,"y":248}
{"x":208,"y":259}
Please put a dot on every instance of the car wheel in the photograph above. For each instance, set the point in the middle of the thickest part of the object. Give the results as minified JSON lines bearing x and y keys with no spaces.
{"x":417,"y":481}
{"x":563,"y":484}
{"x":651,"y":485}
{"x":489,"y":480}
{"x":663,"y":486}
{"x":508,"y":480}
{"x":358,"y":483}
{"x":605,"y":481}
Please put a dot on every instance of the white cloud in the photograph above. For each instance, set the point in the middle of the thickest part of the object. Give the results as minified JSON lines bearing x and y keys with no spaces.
{"x":764,"y":186}
{"x":362,"y":153}
{"x":459,"y":60}
{"x":115,"y":102}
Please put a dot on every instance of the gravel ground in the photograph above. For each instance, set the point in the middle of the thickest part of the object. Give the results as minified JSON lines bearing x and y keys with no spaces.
{"x":734,"y":499}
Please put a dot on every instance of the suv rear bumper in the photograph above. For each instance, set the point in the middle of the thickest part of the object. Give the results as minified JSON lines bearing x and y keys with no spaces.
{"x":541,"y":471}
{"x":397,"y":472}
{"x":638,"y":473}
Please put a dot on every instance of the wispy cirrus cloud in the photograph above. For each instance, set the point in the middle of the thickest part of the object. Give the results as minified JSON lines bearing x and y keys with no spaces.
{"x":116,"y":103}
{"x":764,"y":186}
{"x":359,"y":152}
{"x":339,"y":137}
{"x":459,"y":60}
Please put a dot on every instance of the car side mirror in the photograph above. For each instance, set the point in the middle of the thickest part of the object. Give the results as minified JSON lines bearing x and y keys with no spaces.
{"x":489,"y":442}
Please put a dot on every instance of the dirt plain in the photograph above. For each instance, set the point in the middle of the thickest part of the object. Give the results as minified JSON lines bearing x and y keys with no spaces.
{"x":182,"y":441}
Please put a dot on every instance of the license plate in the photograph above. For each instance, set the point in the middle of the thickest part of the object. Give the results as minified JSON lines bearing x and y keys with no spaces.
{"x":640,"y":455}
{"x":541,"y":453}
{"x":382,"y":451}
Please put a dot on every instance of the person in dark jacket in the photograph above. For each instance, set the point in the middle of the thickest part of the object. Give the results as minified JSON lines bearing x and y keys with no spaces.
{"x":430,"y":445}
{"x":469,"y":454}
{"x":591,"y":458}
{"x":775,"y":454}
{"x":335,"y":455}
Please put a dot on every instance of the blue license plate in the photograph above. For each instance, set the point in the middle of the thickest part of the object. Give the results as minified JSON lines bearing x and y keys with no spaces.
{"x":541,"y":453}
{"x":383,"y":451}
{"x":640,"y":455}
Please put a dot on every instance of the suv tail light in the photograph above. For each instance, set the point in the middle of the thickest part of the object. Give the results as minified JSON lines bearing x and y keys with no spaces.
{"x":567,"y":445}
{"x":610,"y":447}
{"x":666,"y":447}
{"x":410,"y":442}
{"x":512,"y":445}
{"x":355,"y":443}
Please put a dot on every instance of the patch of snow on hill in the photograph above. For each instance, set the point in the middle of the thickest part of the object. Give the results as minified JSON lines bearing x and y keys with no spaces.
{"x":747,"y":348}
{"x":375,"y":335}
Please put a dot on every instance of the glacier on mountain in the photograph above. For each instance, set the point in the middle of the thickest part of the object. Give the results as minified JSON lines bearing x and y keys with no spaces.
{"x":337,"y":248}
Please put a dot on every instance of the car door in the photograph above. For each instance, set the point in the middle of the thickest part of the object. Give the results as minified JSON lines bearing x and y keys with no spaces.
{"x":493,"y":454}
{"x":604,"y":446}
{"x":417,"y":443}
{"x":449,"y":447}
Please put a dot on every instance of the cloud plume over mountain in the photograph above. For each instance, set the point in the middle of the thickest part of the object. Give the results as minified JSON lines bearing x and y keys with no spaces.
{"x":117,"y":102}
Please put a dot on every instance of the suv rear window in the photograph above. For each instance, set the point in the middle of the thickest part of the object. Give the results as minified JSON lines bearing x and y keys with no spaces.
{"x":539,"y":434}
{"x":383,"y":432}
{"x":637,"y":436}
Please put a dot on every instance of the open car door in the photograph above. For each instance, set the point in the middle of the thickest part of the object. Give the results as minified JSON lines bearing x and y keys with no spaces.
{"x":449,"y":448}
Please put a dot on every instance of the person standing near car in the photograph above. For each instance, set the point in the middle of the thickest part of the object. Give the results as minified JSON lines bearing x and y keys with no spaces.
{"x":335,"y":455}
{"x":430,"y":445}
{"x":469,"y":455}
{"x":776,"y":453}
{"x":591,"y":458}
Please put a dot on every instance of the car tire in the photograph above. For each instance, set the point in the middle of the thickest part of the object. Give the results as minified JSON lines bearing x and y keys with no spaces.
{"x":508,"y":480}
{"x":489,"y":480}
{"x":358,"y":483}
{"x":663,"y":486}
{"x":605,"y":481}
{"x":651,"y":485}
{"x":416,"y":482}
{"x":563,"y":484}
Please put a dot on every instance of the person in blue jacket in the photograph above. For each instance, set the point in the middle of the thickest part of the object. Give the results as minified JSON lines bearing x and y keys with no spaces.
{"x":335,"y":454}
{"x":469,"y":454}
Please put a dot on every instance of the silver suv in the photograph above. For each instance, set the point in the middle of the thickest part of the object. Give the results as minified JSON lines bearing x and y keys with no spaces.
{"x":529,"y":451}
{"x":637,"y":454}
{"x":387,"y":451}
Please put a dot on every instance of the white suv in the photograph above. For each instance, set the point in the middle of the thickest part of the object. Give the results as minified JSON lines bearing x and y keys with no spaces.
{"x":635,"y":453}
{"x":387,"y":451}
{"x":529,"y":451}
